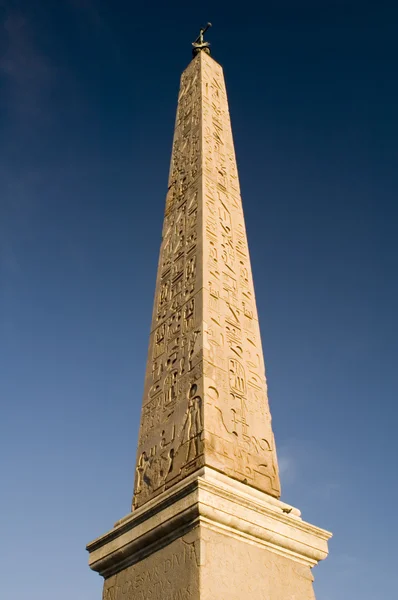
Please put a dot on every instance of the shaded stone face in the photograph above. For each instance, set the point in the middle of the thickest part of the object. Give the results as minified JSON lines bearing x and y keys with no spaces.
{"x":205,"y":397}
{"x":172,"y":573}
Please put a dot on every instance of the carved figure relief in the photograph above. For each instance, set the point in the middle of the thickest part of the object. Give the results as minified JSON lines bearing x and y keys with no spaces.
{"x":170,"y":388}
{"x":192,"y":427}
{"x":141,"y":468}
{"x":160,"y":336}
{"x":189,"y":315}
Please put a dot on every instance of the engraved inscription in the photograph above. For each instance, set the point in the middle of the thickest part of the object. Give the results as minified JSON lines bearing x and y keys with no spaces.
{"x":170,"y":574}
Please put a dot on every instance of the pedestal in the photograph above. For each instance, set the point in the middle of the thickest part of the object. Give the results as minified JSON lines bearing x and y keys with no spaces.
{"x":210,"y":538}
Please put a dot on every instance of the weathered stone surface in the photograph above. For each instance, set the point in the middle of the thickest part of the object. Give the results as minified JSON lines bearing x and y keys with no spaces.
{"x":171,"y":573}
{"x":234,"y":569}
{"x":205,"y":399}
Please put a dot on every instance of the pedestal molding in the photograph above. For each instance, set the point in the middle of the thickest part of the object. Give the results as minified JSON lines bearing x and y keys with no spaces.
{"x":216,"y":503}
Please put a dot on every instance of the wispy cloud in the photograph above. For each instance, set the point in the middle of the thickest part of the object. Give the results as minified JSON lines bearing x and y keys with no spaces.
{"x":17,"y":209}
{"x":98,"y":16}
{"x":300,"y":463}
{"x":287,"y":465}
{"x":26,"y":73}
{"x":19,"y":204}
{"x":90,"y":9}
{"x":26,"y":79}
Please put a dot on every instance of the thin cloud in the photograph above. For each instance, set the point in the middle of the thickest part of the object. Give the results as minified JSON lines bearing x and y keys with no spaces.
{"x":90,"y":9}
{"x":91,"y":14}
{"x":26,"y":78}
{"x":287,"y":466}
{"x":301,"y":462}
{"x":27,"y":74}
{"x":17,"y":209}
{"x":19,"y":204}
{"x":8,"y":260}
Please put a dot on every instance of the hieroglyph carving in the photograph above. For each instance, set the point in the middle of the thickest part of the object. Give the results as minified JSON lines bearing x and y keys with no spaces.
{"x":170,"y":443}
{"x":205,"y":334}
{"x":238,"y":433}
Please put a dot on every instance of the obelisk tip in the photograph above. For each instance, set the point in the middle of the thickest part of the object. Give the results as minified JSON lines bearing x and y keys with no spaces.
{"x":199,"y":45}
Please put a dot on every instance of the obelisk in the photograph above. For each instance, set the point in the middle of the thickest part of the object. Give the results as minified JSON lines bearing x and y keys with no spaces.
{"x":206,"y":520}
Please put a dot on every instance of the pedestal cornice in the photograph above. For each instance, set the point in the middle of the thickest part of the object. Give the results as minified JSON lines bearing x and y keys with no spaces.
{"x":211,"y":500}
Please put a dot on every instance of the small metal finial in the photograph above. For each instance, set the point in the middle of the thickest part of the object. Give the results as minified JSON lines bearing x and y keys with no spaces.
{"x":199,"y":44}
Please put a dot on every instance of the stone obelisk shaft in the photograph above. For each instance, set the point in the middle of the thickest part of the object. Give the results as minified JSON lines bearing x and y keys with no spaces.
{"x":205,"y":398}
{"x":206,"y":522}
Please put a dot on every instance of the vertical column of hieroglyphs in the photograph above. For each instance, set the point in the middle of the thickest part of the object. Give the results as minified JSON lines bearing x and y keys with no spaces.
{"x":170,"y":444}
{"x":237,"y":422}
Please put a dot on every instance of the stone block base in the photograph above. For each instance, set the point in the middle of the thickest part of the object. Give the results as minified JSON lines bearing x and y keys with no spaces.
{"x":210,"y":538}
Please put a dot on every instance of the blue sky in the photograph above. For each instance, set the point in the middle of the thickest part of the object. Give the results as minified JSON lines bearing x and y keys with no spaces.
{"x":87,"y":102}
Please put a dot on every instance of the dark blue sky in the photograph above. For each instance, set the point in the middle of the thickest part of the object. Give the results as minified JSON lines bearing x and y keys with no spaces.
{"x":87,"y":103}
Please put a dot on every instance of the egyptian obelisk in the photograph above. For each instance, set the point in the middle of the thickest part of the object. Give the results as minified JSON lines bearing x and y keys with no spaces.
{"x":206,"y":520}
